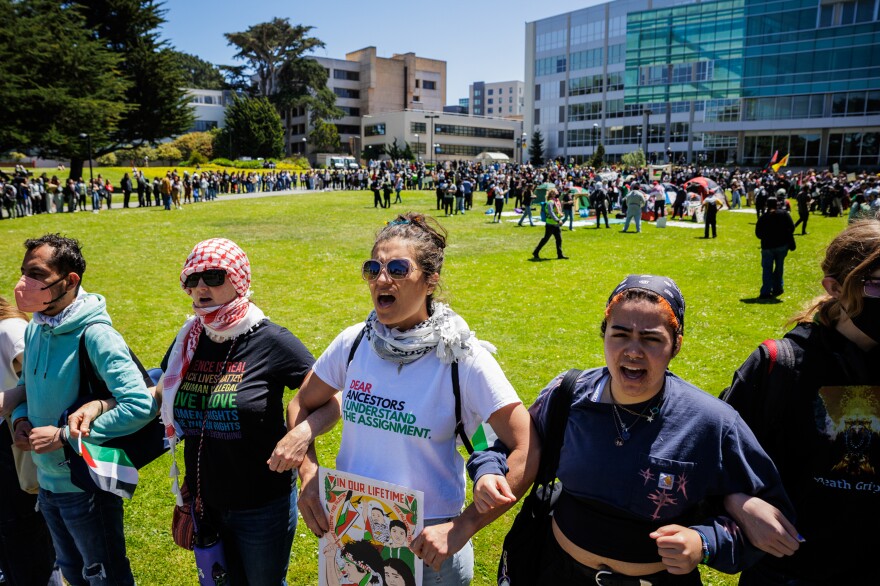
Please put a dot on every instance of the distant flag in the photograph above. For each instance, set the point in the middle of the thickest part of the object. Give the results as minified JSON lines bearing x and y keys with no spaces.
{"x":782,"y":163}
{"x":110,"y":469}
{"x":771,"y":162}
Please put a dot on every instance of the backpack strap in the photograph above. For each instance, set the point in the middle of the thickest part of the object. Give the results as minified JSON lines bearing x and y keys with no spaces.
{"x":459,"y":424}
{"x":557,"y":420}
{"x":780,"y":352}
{"x":354,"y":347}
{"x":89,"y":381}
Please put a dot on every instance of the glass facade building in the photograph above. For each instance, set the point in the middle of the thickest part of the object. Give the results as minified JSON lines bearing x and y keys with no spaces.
{"x":728,"y":81}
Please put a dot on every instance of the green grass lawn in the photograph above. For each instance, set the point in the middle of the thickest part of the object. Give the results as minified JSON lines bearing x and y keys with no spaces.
{"x":305,"y":251}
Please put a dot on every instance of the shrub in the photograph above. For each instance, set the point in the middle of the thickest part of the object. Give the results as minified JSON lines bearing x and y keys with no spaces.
{"x":108,"y":160}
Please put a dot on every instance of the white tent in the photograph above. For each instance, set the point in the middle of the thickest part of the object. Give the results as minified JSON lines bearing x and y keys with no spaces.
{"x":488,"y":157}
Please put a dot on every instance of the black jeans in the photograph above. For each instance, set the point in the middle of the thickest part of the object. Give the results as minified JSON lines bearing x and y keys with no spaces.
{"x":554,"y":231}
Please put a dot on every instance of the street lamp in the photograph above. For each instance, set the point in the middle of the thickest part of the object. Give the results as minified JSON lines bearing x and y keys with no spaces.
{"x":304,"y":140}
{"x":432,"y":117}
{"x":522,"y":148}
{"x":418,"y":147}
{"x":595,"y":134}
{"x":88,"y":138}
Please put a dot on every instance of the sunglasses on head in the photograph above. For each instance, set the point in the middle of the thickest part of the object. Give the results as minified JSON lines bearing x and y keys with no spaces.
{"x":397,"y":268}
{"x":871,"y":286}
{"x":211,"y":278}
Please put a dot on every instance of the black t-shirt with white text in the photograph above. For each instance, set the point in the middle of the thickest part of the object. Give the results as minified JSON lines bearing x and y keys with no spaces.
{"x":245,"y":416}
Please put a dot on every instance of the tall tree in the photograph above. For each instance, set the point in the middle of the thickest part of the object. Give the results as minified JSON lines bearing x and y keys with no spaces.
{"x":536,"y":149}
{"x":267,"y":46}
{"x":253,"y":129}
{"x":158,"y":106}
{"x":57,"y":82}
{"x":276,"y":52}
{"x":199,"y":73}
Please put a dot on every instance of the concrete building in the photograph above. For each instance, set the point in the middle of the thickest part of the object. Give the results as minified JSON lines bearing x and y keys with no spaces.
{"x":366,"y":84}
{"x":501,"y":98}
{"x":209,"y":108}
{"x":722,"y":81}
{"x":453,"y":136}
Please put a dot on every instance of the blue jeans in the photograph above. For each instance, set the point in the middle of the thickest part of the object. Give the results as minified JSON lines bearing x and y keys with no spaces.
{"x":772,"y":264}
{"x":527,"y":213}
{"x":258,"y":541}
{"x":455,"y":571}
{"x":568,"y":214}
{"x":86,"y":529}
{"x":637,"y":216}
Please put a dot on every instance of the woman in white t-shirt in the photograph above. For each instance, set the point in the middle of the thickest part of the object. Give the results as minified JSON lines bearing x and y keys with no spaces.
{"x":402,"y":370}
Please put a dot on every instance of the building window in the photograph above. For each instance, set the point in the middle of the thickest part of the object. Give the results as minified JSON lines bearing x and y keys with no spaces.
{"x":350,"y":111}
{"x":478,"y":102}
{"x":429,"y":85}
{"x":473,"y":131}
{"x":348,"y":129}
{"x":478,"y":93}
{"x":500,"y":91}
{"x":537,"y":91}
{"x":416,"y":99}
{"x":347,"y":93}
{"x":346,"y":75}
{"x":551,"y":40}
{"x":375,"y":129}
{"x":418,"y":127}
{"x":490,"y":101}
{"x":586,"y":59}
{"x":490,"y":110}
{"x":510,"y":100}
{"x":491,"y":92}
{"x":551,"y":65}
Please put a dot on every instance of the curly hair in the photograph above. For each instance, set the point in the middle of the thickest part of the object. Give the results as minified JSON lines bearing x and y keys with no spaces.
{"x":66,"y":253}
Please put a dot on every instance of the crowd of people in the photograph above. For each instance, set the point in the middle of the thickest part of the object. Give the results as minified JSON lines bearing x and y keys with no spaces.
{"x":778,"y":480}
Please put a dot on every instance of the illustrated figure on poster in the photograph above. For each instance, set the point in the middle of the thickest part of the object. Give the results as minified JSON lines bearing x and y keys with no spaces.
{"x":372,"y":523}
{"x":356,"y":564}
{"x":397,"y":573}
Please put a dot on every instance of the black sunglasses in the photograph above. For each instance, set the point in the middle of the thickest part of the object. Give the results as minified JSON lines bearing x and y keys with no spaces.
{"x":212,"y":278}
{"x":398,"y":268}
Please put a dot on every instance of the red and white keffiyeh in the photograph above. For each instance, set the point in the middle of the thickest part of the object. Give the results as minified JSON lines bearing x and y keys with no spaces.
{"x":224,"y":322}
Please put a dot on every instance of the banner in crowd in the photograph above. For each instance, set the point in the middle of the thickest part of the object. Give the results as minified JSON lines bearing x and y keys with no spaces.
{"x":372,"y":525}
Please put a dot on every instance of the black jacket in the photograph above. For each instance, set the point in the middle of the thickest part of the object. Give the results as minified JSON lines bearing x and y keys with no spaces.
{"x":816,"y":417}
{"x":774,"y":229}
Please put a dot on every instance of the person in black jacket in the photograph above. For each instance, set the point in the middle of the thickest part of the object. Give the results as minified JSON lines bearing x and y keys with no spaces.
{"x":775,"y":230}
{"x":599,"y":202}
{"x":813,"y":401}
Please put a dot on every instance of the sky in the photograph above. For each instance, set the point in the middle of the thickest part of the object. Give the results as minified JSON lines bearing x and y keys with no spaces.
{"x":480,"y":41}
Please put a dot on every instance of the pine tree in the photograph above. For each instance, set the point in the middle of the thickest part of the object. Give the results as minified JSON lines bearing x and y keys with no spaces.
{"x":56,"y":82}
{"x":536,"y":149}
{"x":253,"y":128}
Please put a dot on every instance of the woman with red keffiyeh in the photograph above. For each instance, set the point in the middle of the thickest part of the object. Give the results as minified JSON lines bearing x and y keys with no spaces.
{"x":222,"y":388}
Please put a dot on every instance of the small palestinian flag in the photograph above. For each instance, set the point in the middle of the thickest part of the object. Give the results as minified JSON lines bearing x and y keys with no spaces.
{"x":484,"y":438}
{"x":110,"y":469}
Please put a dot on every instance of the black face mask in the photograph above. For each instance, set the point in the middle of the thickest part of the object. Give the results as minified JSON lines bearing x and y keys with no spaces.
{"x":868,"y":321}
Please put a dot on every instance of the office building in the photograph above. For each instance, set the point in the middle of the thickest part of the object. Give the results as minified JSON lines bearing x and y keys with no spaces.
{"x":503,"y":99}
{"x":454,"y":137}
{"x":725,"y":81}
{"x":366,"y":84}
{"x":209,"y":108}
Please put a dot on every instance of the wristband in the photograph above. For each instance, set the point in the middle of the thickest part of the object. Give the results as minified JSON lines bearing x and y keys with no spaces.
{"x":706,"y":556}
